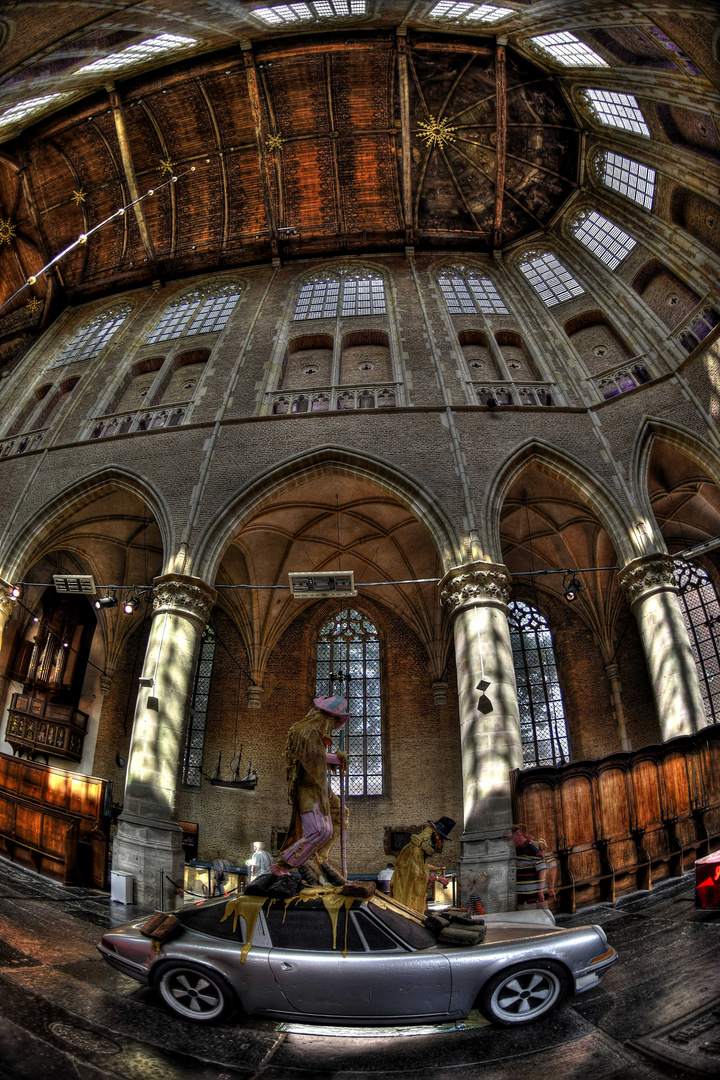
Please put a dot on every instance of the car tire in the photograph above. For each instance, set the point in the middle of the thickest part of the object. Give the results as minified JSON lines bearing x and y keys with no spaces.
{"x":195,"y":993}
{"x":523,"y":993}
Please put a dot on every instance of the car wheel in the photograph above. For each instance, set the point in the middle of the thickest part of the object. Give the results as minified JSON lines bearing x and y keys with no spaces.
{"x":522,"y":993}
{"x":195,"y":993}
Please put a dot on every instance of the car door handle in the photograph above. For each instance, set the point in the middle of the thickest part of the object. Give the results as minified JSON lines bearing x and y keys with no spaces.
{"x":286,"y":967}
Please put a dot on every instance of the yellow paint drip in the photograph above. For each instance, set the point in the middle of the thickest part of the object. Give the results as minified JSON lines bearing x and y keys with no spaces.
{"x":387,"y":902}
{"x":248,"y":907}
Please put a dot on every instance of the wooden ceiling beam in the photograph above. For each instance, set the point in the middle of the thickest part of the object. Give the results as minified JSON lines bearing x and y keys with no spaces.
{"x":501,"y":140}
{"x":337,"y":186}
{"x":221,"y":160}
{"x":256,"y":113}
{"x":407,"y":199}
{"x":131,"y":180}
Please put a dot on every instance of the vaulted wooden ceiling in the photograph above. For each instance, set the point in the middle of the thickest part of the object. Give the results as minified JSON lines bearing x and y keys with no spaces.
{"x":300,"y":146}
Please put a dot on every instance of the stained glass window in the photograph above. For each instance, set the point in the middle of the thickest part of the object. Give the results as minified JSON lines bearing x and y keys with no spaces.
{"x":195,"y":740}
{"x":348,"y":663}
{"x":198,"y":312}
{"x":617,"y":110}
{"x":629,"y":178}
{"x":551,"y":281}
{"x":542,"y":716}
{"x":701,"y":612}
{"x":607,"y":241}
{"x":92,"y":338}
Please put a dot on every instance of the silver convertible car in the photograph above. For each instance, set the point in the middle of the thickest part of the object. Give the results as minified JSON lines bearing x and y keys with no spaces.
{"x":325,"y":957}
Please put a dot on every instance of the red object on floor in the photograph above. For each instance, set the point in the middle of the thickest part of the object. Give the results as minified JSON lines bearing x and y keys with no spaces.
{"x":707,"y":881}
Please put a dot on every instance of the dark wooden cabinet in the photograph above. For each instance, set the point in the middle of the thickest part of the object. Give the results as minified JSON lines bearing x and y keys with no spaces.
{"x":37,"y":726}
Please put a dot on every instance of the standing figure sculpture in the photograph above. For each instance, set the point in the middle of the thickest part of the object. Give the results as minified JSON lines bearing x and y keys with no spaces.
{"x":409,"y":883}
{"x":316,"y":810}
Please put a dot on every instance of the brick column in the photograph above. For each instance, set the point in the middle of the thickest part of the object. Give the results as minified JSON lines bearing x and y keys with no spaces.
{"x":476,"y":596}
{"x":649,"y":584}
{"x":149,"y":839}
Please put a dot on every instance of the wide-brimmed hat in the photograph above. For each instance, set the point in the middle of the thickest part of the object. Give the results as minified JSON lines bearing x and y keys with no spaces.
{"x":334,"y":706}
{"x":443,"y":826}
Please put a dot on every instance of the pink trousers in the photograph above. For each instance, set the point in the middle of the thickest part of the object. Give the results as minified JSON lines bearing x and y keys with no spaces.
{"x":317,"y":830}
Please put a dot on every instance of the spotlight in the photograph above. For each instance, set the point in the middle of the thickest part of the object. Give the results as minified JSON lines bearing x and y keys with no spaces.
{"x":108,"y":600}
{"x":572,"y":587}
{"x":16,"y":592}
{"x":131,"y":604}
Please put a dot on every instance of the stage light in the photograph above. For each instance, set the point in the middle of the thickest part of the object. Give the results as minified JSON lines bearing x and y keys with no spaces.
{"x":131,"y":604}
{"x":572,"y":587}
{"x":16,"y":592}
{"x":108,"y":600}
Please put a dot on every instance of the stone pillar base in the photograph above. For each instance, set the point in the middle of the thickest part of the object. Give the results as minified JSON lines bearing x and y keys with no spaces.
{"x":489,"y":856}
{"x":152,"y":852}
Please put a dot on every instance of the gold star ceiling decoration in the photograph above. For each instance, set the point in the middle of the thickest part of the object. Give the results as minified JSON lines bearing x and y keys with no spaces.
{"x":166,"y":166}
{"x":7,"y":231}
{"x":274,"y":142}
{"x":34,"y":305}
{"x":78,"y":196}
{"x":435,"y":132}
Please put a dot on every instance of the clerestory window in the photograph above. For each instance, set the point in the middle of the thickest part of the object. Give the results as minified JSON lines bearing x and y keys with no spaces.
{"x":542,"y":716}
{"x":617,"y":110}
{"x":348,"y":663}
{"x":195,"y":739}
{"x":29,"y":108}
{"x":284,"y":14}
{"x":607,"y":241}
{"x":357,"y":294}
{"x":568,"y":50}
{"x":136,"y":54}
{"x":470,"y":294}
{"x":203,"y":311}
{"x":701,"y":612}
{"x":91,"y":339}
{"x":628,"y":178}
{"x":551,"y":281}
{"x":450,"y":11}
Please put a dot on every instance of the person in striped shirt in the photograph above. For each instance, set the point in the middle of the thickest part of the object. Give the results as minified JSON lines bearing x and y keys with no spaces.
{"x":531,"y":869}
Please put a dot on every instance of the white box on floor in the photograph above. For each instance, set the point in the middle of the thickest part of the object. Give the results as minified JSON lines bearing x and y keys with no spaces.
{"x":121,"y":887}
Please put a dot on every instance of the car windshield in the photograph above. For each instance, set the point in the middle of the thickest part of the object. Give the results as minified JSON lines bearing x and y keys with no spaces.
{"x":408,"y":925}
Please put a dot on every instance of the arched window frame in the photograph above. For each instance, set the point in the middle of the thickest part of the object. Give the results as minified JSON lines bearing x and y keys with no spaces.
{"x":467,"y":291}
{"x":348,"y":291}
{"x":195,"y":736}
{"x":627,"y":177}
{"x":602,"y":237}
{"x":349,"y":642}
{"x":90,"y":340}
{"x":701,"y":612}
{"x":552,"y":282}
{"x":204,"y":310}
{"x":542,"y":714}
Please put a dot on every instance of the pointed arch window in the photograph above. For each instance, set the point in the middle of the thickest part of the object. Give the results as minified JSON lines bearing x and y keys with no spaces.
{"x":542,"y":715}
{"x":617,"y":110}
{"x":701,"y":612}
{"x":348,"y":663}
{"x":628,"y":178}
{"x":195,"y":739}
{"x":607,"y":241}
{"x":550,"y":280}
{"x":91,"y":339}
{"x":469,"y":293}
{"x":203,"y":311}
{"x":357,"y":293}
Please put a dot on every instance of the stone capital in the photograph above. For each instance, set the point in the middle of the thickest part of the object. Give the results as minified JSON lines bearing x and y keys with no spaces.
{"x":180,"y":595}
{"x":254,"y":696}
{"x":6,"y":604}
{"x":475,"y":584}
{"x":647,"y":575}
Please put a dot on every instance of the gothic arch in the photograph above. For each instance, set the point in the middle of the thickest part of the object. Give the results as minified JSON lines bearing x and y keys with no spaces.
{"x":570,"y":471}
{"x":295,"y":470}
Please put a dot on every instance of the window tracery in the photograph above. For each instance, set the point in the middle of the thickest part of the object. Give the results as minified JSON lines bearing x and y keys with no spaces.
{"x":348,"y":663}
{"x":568,"y":50}
{"x":542,"y":715}
{"x":466,"y":293}
{"x":701,"y":612}
{"x":616,"y":110}
{"x":627,"y":177}
{"x":90,"y":340}
{"x":551,"y":281}
{"x":608,"y":242}
{"x":356,"y":292}
{"x":205,"y":310}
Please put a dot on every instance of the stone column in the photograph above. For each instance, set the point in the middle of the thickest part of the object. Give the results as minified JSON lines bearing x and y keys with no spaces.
{"x":649,"y":584}
{"x":613,"y":673}
{"x":149,"y":839}
{"x":6,"y":608}
{"x":476,"y":596}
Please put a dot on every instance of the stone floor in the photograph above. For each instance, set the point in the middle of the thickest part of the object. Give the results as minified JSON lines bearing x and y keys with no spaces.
{"x":64,"y":1014}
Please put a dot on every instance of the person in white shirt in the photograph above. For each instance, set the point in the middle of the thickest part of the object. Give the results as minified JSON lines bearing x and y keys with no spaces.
{"x":259,"y":862}
{"x":385,"y":877}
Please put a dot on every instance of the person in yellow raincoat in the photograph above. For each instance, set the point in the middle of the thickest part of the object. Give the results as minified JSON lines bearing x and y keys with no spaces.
{"x":409,"y":882}
{"x":315,"y":821}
